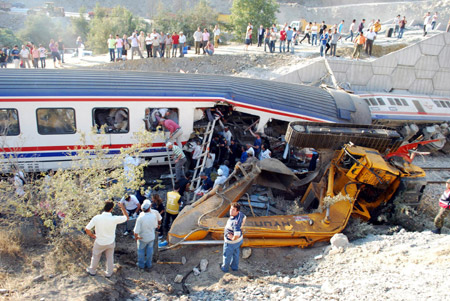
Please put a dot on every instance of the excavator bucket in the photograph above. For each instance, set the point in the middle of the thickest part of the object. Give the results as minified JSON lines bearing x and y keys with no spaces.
{"x":275,"y":174}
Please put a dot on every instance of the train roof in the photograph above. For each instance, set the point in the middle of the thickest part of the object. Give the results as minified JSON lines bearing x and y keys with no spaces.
{"x":290,"y":98}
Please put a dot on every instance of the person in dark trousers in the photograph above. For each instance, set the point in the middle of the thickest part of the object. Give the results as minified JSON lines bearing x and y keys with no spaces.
{"x":172,"y":207}
{"x":444,"y":203}
{"x":261,"y":32}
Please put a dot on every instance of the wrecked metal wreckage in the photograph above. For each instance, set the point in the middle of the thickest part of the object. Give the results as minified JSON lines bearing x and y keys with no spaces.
{"x":351,"y":180}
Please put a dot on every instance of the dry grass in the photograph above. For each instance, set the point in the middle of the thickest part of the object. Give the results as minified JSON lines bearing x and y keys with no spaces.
{"x":9,"y":245}
{"x":70,"y":253}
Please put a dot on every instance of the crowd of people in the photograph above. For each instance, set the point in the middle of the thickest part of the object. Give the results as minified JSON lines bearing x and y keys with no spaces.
{"x":326,"y":37}
{"x":159,"y":44}
{"x":36,"y":54}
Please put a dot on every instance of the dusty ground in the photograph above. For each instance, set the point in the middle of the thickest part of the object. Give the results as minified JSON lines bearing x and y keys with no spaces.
{"x":389,"y":263}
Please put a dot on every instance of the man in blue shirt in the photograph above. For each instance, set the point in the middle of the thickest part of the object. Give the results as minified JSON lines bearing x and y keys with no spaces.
{"x":233,"y":238}
{"x":15,"y":55}
{"x":289,"y":34}
{"x":256,"y":144}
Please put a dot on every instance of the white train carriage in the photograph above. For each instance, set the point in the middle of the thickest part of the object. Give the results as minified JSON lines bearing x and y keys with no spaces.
{"x":43,"y":112}
{"x":393,"y":109}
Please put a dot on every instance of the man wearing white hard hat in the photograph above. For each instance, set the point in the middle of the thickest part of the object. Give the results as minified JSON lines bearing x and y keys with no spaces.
{"x":144,"y":233}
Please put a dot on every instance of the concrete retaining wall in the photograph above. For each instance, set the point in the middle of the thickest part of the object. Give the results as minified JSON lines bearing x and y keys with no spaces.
{"x":422,"y":68}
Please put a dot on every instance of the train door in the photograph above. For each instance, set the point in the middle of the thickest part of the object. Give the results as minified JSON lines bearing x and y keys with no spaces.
{"x":418,"y":106}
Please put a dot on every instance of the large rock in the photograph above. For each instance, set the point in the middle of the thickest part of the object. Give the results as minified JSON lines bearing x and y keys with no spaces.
{"x":203,"y":264}
{"x":339,"y":240}
{"x":246,"y":253}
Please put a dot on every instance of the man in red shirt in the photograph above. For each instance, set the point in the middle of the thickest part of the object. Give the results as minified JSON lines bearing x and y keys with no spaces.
{"x":175,"y":42}
{"x":174,"y":129}
{"x":283,"y":40}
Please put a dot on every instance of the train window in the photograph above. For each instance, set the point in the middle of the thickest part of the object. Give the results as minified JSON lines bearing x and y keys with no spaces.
{"x":9,"y":122}
{"x":391,"y":102}
{"x":113,"y":120}
{"x":373,"y":102}
{"x":154,"y":115}
{"x":367,"y":101}
{"x":443,"y":104}
{"x":448,"y":103}
{"x":54,"y":121}
{"x":437,"y":103}
{"x":397,"y":101}
{"x":404,"y":102}
{"x":381,"y":101}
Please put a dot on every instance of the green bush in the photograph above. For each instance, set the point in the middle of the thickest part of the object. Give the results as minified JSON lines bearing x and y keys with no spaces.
{"x":7,"y":38}
{"x":202,"y":15}
{"x":114,"y":21}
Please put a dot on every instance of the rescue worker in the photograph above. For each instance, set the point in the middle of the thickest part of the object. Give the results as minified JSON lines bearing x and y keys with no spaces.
{"x":444,"y":203}
{"x":180,"y":159}
{"x":172,"y":207}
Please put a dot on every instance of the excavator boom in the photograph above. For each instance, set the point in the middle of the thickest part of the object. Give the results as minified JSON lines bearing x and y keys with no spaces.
{"x":356,"y":181}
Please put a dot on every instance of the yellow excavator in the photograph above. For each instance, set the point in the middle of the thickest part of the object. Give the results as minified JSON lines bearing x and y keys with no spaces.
{"x":353,"y":179}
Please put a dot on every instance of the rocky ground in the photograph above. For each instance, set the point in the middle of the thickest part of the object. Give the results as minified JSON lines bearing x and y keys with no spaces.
{"x":381,"y":262}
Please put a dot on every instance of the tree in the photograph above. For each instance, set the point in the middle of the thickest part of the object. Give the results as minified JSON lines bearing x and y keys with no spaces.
{"x":255,"y":11}
{"x":7,"y":38}
{"x":202,"y":15}
{"x":69,"y":198}
{"x":80,"y":26}
{"x":39,"y":29}
{"x":114,"y":21}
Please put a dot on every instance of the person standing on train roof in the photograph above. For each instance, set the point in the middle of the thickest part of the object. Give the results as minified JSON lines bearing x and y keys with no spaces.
{"x":174,"y":129}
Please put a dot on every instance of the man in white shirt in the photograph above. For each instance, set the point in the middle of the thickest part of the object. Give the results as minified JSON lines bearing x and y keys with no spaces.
{"x":198,"y":40}
{"x":134,"y":41}
{"x":396,"y":23}
{"x":105,"y":235}
{"x":227,"y":135}
{"x":144,"y":233}
{"x":131,"y":204}
{"x":220,"y":179}
{"x":182,"y":43}
{"x":129,"y":165}
{"x":426,"y":23}
{"x":314,"y":30}
{"x":370,"y":36}
{"x":216,"y":36}
{"x":25,"y":56}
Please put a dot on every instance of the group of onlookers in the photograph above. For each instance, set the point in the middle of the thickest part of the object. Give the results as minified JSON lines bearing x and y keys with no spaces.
{"x":33,"y":53}
{"x":159,"y":44}
{"x":327,"y":37}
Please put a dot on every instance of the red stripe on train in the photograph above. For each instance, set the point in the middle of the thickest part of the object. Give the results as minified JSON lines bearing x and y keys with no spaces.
{"x":70,"y":147}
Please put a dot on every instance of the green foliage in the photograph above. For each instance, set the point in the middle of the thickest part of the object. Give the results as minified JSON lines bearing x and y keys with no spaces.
{"x":202,"y":15}
{"x":254,"y":11}
{"x":7,"y":38}
{"x":68,"y":199}
{"x":114,"y":21}
{"x":80,"y":26}
{"x":39,"y":29}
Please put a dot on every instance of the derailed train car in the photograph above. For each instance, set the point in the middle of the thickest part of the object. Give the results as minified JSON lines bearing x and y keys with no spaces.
{"x":44,"y":112}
